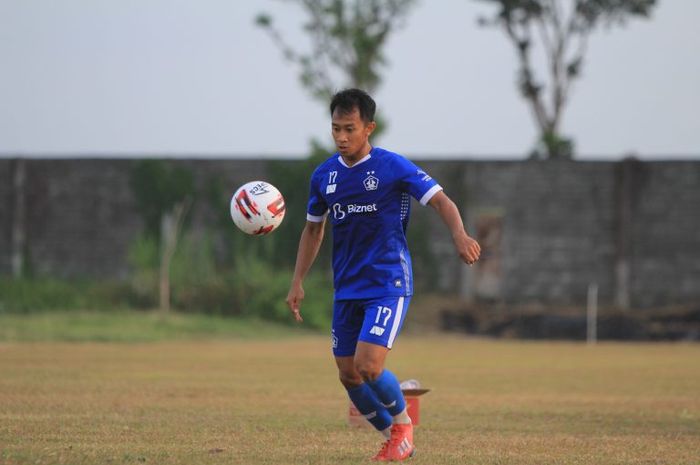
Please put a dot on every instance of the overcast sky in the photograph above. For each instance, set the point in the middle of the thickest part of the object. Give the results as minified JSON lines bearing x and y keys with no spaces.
{"x":197,"y":77}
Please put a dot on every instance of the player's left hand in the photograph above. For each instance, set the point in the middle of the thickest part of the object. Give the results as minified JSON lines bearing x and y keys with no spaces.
{"x":469,"y":250}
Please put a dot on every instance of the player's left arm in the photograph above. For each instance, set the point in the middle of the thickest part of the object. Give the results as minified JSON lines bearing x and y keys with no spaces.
{"x":467,"y":248}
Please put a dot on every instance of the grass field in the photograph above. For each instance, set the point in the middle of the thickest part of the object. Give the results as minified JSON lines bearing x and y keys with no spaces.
{"x":278,"y":401}
{"x":135,"y":326}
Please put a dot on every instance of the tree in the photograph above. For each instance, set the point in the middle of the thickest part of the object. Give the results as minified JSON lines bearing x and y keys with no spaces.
{"x":163,"y":195}
{"x":563,"y":28}
{"x":347,"y":40}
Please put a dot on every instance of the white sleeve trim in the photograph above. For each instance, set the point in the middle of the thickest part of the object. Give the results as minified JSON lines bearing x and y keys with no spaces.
{"x":429,"y":195}
{"x":316,"y":219}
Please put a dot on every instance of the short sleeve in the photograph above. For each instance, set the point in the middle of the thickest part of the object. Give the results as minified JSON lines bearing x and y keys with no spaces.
{"x":417,"y":182}
{"x":317,"y":208}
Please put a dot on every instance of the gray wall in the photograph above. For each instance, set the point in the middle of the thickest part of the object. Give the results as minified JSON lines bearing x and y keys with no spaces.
{"x":629,"y":227}
{"x":81,"y":215}
{"x":566,"y":225}
{"x":6,"y":200}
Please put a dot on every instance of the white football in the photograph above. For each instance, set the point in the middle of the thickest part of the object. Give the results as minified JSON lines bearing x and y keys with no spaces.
{"x":257,"y":208}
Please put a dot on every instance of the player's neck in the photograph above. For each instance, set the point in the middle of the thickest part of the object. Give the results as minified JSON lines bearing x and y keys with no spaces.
{"x":350,"y":160}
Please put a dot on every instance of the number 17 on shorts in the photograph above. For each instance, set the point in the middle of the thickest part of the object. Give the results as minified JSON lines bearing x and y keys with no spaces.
{"x":376,"y":321}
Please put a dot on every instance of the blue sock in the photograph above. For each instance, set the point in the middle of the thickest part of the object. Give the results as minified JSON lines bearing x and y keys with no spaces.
{"x":387,"y":388}
{"x":368,"y":405}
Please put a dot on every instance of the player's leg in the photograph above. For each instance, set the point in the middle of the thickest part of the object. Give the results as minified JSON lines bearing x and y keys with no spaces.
{"x":369,"y":363}
{"x":382,"y":324}
{"x":383,"y":319}
{"x":347,"y":322}
{"x":363,"y":396}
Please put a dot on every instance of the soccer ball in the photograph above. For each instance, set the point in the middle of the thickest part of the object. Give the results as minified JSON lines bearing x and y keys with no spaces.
{"x":257,"y":208}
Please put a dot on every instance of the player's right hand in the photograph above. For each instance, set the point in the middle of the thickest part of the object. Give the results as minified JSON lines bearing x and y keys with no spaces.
{"x":294,"y":298}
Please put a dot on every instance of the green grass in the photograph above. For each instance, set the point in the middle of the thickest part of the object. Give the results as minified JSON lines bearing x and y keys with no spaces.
{"x":278,"y":401}
{"x":134,"y":326}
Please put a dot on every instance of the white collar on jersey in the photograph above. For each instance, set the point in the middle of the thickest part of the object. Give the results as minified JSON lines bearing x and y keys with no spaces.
{"x":362,"y":160}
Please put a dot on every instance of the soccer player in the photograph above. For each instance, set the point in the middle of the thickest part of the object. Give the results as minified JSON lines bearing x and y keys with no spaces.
{"x":365,"y":191}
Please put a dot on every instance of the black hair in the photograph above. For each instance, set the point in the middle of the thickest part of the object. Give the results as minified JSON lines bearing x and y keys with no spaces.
{"x":349,"y":99}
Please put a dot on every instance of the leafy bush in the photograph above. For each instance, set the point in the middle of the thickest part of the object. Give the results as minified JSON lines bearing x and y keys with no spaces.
{"x":251,"y":286}
{"x":143,"y":281}
{"x":261,"y":292}
{"x":31,"y":295}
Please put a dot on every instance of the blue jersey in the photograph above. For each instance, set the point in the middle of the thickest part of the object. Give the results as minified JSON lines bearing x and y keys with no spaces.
{"x":368,"y":206}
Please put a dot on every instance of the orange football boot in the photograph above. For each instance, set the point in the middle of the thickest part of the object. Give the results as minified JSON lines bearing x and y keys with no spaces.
{"x":381,"y":455}
{"x":400,"y":446}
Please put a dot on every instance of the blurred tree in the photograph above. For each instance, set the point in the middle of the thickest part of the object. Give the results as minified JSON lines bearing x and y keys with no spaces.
{"x":347,"y":40}
{"x":563,"y":28}
{"x":163,"y":195}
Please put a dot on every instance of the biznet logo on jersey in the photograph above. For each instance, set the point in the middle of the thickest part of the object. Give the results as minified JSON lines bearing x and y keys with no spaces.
{"x":362,"y":208}
{"x":339,"y":212}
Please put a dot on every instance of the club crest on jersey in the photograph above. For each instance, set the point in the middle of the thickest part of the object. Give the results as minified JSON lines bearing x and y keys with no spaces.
{"x":371,"y":182}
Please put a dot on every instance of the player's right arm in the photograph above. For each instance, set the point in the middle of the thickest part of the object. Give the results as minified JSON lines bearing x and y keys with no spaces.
{"x":309,"y":245}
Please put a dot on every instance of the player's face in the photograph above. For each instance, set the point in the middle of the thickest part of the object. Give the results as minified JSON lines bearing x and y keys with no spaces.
{"x":351,"y":134}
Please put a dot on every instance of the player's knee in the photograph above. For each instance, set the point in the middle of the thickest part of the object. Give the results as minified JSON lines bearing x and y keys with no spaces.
{"x":350,"y":379}
{"x":368,"y":370}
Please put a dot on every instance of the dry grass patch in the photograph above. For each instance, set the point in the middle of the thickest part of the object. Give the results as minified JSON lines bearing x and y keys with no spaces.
{"x":269,"y":402}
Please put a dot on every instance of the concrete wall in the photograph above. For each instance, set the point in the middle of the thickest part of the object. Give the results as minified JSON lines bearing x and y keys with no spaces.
{"x":551,"y":229}
{"x":566,"y":225}
{"x":6,"y":201}
{"x":81,"y":216}
{"x":665,"y":232}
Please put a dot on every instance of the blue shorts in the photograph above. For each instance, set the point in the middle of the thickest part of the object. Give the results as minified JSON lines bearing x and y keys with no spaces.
{"x":377,"y":321}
